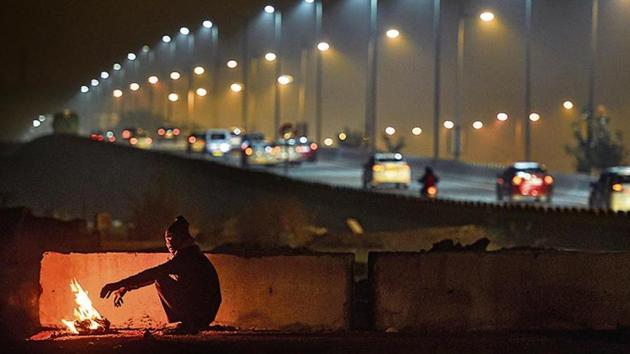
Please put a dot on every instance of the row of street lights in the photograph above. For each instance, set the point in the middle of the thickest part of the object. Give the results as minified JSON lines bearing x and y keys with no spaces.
{"x":371,"y":94}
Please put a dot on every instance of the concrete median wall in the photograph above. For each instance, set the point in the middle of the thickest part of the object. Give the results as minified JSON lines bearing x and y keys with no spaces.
{"x":500,"y":291}
{"x":297,"y":292}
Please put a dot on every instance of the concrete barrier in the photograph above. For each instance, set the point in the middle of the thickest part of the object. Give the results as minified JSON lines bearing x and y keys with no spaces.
{"x":509,"y":290}
{"x":297,"y":292}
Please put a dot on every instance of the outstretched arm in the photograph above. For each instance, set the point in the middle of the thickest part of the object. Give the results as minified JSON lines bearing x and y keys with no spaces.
{"x":144,"y":278}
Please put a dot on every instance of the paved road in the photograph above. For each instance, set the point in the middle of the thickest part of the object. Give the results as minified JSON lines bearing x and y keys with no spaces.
{"x":346,"y":171}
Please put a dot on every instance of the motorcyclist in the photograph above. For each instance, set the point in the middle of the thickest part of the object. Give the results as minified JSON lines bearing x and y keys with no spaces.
{"x":429,"y":183}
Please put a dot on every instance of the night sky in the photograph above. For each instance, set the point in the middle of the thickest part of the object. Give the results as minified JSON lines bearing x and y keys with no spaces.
{"x":50,"y":46}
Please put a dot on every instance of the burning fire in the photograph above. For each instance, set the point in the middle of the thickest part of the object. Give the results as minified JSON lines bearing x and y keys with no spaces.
{"x":87,"y":319}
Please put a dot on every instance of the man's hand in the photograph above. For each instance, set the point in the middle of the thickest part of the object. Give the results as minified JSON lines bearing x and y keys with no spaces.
{"x":117,"y":290}
{"x":118,"y":296}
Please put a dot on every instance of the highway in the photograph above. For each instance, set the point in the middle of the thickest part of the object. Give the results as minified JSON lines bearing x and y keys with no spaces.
{"x":457,"y":181}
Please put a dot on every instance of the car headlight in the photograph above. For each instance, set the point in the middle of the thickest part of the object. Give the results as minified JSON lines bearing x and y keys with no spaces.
{"x":224,"y":147}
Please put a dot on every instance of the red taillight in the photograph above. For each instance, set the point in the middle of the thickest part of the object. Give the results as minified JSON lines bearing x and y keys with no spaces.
{"x":176,"y":131}
{"x":100,"y":138}
{"x":126,"y":134}
{"x":192,"y":139}
{"x":161,"y":131}
{"x":314,"y":146}
{"x":516,"y":180}
{"x":432,"y":190}
{"x":133,"y":141}
{"x":93,"y":137}
{"x":548,"y":180}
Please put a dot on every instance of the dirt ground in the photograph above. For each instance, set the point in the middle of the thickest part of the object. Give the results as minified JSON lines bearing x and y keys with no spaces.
{"x":349,"y":342}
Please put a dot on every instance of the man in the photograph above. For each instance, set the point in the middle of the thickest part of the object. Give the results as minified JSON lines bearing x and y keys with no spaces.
{"x":187,"y":284}
{"x":428,"y":180}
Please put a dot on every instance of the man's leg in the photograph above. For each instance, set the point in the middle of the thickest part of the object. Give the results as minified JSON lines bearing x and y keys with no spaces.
{"x":169,"y":297}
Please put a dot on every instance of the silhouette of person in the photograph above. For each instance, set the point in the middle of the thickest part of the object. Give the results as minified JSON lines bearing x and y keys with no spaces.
{"x":187,"y":284}
{"x":429,"y":179}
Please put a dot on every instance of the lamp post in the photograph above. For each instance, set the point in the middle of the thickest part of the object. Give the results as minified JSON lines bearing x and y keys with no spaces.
{"x":370,"y":97}
{"x":437,"y":22}
{"x":591,"y":81}
{"x":318,"y":8}
{"x":459,"y":77}
{"x":526,"y":120}
{"x":277,"y":22}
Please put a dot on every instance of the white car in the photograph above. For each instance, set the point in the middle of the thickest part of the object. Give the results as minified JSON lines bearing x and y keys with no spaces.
{"x":386,"y":169}
{"x":218,"y":142}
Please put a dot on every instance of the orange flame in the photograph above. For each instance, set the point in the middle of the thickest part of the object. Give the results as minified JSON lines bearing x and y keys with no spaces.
{"x":84,"y":312}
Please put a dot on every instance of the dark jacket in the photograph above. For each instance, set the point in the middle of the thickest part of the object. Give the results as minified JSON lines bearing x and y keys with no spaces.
{"x":190,"y":273}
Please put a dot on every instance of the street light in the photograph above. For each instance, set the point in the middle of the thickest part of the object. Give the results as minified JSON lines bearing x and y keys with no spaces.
{"x":116,"y":67}
{"x":236,"y":87}
{"x":173,"y":97}
{"x":392,"y":33}
{"x":285,"y":79}
{"x":232,"y":64}
{"x":270,"y":56}
{"x":207,"y":24}
{"x":323,"y":46}
{"x":568,"y":105}
{"x":328,"y":141}
{"x":117,"y":93}
{"x":131,"y":56}
{"x":201,"y":92}
{"x":145,"y":48}
{"x":459,"y":76}
{"x":449,"y":124}
{"x":94,"y":82}
{"x":36,"y":123}
{"x":270,"y":9}
{"x":104,"y":75}
{"x":153,"y":80}
{"x":342,"y":136}
{"x":134,"y":86}
{"x":416,"y":131}
{"x":184,"y":31}
{"x":85,"y":89}
{"x":534,"y":117}
{"x":390,"y":131}
{"x":175,"y":75}
{"x":486,"y":16}
{"x":199,"y":70}
{"x":502,"y":117}
{"x":477,"y":125}
{"x":166,"y":39}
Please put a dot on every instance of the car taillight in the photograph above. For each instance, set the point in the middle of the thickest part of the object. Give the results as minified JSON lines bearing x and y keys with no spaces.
{"x":192,"y":139}
{"x":548,"y":180}
{"x":126,"y":134}
{"x":161,"y":131}
{"x":176,"y":131}
{"x":133,"y":141}
{"x":432,"y":190}
{"x":516,"y":180}
{"x":148,"y":140}
{"x":617,"y":187}
{"x":314,"y":146}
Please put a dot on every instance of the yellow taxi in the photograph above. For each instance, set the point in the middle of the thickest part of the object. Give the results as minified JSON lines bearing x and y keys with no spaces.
{"x":386,"y":169}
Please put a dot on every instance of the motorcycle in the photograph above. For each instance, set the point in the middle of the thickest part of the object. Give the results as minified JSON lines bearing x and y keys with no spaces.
{"x":429,"y":192}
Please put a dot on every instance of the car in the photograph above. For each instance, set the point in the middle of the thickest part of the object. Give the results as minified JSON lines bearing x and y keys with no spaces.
{"x":168,"y":133}
{"x":251,"y":138}
{"x":612,"y":190}
{"x":218,"y":142}
{"x":525,"y":181}
{"x":97,"y":136}
{"x":386,"y":169}
{"x":236,"y":138}
{"x":196,"y":142}
{"x":307,"y":149}
{"x":260,"y":153}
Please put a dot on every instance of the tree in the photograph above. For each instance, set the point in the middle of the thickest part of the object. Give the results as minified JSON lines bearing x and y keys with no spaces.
{"x":66,"y":122}
{"x":391,"y":145}
{"x":597,"y":147}
{"x":351,"y":138}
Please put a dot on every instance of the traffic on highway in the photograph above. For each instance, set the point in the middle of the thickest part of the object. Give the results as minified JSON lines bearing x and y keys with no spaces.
{"x":296,"y":156}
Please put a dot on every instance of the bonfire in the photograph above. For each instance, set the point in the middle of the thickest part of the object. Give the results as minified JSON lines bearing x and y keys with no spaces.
{"x":87,"y":320}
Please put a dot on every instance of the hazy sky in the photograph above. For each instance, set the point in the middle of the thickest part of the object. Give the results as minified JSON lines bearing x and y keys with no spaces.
{"x":60,"y":45}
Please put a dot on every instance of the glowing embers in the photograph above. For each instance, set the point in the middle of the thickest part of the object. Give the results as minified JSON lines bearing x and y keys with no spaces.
{"x":86,"y":319}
